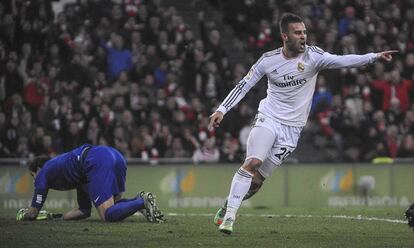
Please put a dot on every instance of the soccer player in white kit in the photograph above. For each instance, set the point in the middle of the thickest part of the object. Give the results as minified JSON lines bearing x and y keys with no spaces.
{"x":291,"y":72}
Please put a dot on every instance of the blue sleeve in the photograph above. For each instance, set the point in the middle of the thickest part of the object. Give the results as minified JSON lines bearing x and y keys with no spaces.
{"x":40,"y":191}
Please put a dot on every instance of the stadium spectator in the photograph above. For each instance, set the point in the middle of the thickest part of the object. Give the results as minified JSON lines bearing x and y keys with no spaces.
{"x":394,"y":89}
{"x":176,"y":149}
{"x":406,"y":150}
{"x":207,"y":152}
{"x":118,"y":58}
{"x":322,"y":98}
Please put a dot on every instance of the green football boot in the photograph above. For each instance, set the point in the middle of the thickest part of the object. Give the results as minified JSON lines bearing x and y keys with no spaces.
{"x":227,"y":226}
{"x":218,"y":218}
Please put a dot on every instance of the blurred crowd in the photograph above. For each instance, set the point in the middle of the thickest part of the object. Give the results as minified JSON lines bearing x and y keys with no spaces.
{"x":134,"y":75}
{"x":357,"y":114}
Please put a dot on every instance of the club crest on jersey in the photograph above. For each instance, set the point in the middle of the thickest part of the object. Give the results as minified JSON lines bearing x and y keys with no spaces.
{"x":301,"y":67}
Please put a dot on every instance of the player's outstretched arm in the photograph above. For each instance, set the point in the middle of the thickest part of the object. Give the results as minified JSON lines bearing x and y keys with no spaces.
{"x":215,"y":120}
{"x":386,"y":55}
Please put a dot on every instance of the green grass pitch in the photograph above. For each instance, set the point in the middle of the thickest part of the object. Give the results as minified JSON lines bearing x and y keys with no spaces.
{"x":283,"y":227}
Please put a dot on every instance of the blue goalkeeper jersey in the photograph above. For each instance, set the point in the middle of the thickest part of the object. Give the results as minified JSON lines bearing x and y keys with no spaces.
{"x":63,"y":172}
{"x":96,"y":172}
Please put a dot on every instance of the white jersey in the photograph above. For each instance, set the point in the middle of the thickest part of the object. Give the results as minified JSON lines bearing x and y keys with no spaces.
{"x":291,"y":82}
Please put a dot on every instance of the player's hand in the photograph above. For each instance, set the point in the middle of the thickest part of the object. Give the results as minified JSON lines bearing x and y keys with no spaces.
{"x":215,"y":120}
{"x":21,"y":213}
{"x":386,"y":55}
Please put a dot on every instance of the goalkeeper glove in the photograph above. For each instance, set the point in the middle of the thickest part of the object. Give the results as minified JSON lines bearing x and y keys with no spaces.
{"x":21,"y":213}
{"x":43,"y":215}
{"x":409,"y":214}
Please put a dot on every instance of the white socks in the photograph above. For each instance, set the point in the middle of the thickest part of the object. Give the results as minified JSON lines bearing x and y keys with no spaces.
{"x":239,"y":188}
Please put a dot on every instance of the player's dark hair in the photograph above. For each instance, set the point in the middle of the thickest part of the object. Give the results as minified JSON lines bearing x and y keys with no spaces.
{"x":38,"y":162}
{"x":286,"y":19}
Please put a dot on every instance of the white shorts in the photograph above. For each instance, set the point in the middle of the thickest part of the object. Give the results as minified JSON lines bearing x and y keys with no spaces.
{"x":271,"y":142}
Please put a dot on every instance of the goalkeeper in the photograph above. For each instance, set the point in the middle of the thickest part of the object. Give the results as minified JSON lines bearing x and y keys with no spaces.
{"x":98,"y":174}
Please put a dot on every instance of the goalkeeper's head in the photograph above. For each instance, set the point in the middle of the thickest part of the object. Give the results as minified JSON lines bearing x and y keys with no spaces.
{"x":37,"y":164}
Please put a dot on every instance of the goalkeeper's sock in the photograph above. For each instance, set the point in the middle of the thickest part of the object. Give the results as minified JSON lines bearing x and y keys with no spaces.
{"x":121,"y":210}
{"x":125,"y":200}
{"x":239,"y":188}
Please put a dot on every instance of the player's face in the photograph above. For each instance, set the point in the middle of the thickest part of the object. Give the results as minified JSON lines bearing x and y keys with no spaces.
{"x":296,"y":37}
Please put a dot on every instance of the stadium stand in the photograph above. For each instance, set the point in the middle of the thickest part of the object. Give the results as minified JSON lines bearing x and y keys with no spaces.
{"x":144,"y":76}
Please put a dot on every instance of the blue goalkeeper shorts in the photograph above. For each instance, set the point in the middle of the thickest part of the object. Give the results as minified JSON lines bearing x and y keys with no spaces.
{"x":106,"y":173}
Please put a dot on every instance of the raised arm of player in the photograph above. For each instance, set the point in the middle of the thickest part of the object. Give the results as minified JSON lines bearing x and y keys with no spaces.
{"x":325,"y":60}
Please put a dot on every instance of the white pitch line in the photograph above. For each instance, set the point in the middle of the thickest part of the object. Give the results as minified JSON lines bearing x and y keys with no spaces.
{"x":358,"y":217}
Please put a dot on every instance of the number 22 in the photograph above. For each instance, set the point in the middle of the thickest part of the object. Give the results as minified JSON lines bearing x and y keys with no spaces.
{"x":284,"y":153}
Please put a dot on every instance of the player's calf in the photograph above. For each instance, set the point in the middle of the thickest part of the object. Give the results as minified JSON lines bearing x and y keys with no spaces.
{"x":122,"y":209}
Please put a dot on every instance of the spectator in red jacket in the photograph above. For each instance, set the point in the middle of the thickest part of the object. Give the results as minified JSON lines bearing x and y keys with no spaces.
{"x":394,"y":87}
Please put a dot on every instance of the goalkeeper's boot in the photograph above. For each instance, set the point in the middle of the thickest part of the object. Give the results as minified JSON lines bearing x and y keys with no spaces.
{"x":409,"y":214}
{"x":227,"y":226}
{"x":218,"y":218}
{"x":153,"y":213}
{"x":143,"y":211}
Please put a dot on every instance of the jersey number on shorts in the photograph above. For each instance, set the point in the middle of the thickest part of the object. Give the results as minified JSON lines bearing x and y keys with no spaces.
{"x":283,"y":154}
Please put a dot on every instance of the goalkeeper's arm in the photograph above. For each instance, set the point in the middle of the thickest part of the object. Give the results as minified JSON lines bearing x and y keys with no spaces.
{"x":32,"y":213}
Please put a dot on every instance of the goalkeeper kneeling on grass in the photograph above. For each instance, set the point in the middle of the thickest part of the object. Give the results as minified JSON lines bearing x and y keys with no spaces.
{"x":98,"y":174}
